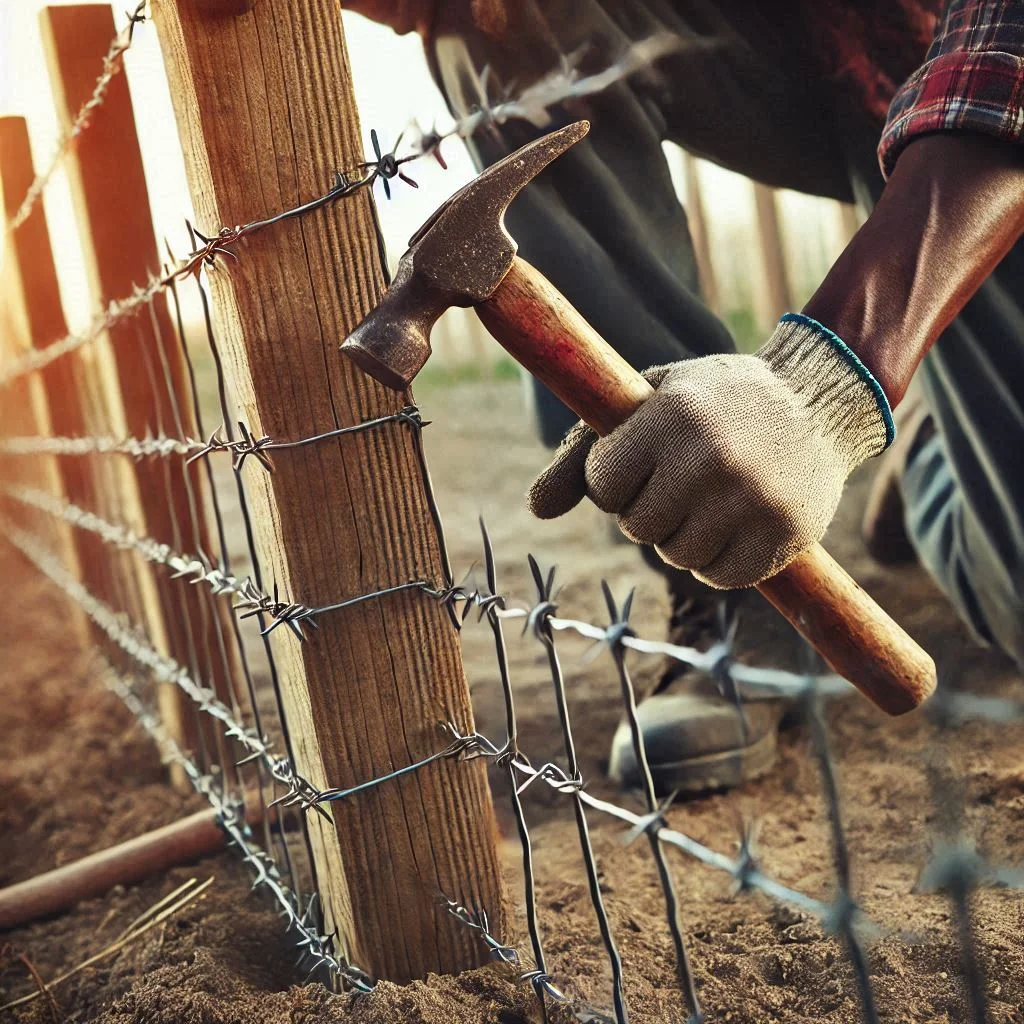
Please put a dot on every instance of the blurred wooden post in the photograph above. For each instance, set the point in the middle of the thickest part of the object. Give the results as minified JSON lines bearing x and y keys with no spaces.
{"x":849,"y":221}
{"x":39,"y":403}
{"x":266,"y":114}
{"x":141,"y":372}
{"x":696,"y":215}
{"x":778,"y":297}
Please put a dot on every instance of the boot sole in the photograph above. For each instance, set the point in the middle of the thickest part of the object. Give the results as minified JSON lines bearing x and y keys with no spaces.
{"x":722,"y":770}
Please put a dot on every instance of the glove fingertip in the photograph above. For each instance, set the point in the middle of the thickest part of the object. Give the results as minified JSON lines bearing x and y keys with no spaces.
{"x":549,"y":502}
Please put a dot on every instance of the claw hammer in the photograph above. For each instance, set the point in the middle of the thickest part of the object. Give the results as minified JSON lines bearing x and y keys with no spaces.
{"x":464,"y":256}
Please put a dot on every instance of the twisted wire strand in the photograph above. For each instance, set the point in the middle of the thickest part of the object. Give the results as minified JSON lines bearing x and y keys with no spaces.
{"x":619,"y":629}
{"x":162,"y":446}
{"x":742,"y":868}
{"x":946,"y":870}
{"x":194,"y":568}
{"x":134,"y":642}
{"x":137,"y":447}
{"x":532,"y":104}
{"x":113,"y":63}
{"x":315,"y":947}
{"x":571,"y":782}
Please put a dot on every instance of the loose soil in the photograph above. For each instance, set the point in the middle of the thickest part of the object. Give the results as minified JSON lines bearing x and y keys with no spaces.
{"x":77,"y":775}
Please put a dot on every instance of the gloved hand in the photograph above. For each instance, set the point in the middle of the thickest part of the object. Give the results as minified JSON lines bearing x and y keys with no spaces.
{"x":736,"y":463}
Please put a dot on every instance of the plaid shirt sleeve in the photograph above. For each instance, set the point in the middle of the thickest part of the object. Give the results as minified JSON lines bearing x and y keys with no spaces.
{"x":972,"y":79}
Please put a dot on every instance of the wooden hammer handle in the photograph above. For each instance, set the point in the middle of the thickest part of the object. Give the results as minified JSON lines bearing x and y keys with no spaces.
{"x":544,"y":332}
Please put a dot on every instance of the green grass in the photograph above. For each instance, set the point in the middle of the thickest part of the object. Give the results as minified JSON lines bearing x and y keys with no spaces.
{"x":742,"y":322}
{"x":438,"y":375}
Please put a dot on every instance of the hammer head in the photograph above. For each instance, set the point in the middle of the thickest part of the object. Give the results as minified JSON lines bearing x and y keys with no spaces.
{"x":457,"y":258}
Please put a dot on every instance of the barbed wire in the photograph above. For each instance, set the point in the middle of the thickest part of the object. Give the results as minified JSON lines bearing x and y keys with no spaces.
{"x":137,"y":447}
{"x":164,"y":669}
{"x":230,"y":815}
{"x":113,"y":62}
{"x":955,"y":866}
{"x":563,"y":84}
{"x":161,"y":446}
{"x":296,"y":615}
{"x":501,"y":952}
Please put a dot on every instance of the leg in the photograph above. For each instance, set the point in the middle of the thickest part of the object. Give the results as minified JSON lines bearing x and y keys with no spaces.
{"x":964,"y":488}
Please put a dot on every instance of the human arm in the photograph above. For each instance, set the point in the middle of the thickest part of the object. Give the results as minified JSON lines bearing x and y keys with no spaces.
{"x":737,"y":463}
{"x":954,"y":202}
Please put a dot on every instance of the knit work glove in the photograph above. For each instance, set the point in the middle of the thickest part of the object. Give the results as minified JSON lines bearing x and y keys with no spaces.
{"x":736,"y":463}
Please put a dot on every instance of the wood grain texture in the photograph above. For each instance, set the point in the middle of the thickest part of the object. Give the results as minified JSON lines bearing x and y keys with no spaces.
{"x":544,"y":332}
{"x":32,"y":316}
{"x":775,"y":292}
{"x":540,"y":329}
{"x":854,"y":635}
{"x":266,"y":115}
{"x":141,"y":373}
{"x":31,"y":295}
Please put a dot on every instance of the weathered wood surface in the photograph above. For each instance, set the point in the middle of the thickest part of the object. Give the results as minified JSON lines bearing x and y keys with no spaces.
{"x":141,"y":374}
{"x":32,"y":316}
{"x":266,"y":115}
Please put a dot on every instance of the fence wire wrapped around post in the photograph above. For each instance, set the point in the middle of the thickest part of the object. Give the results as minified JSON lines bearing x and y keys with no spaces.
{"x":951,"y":869}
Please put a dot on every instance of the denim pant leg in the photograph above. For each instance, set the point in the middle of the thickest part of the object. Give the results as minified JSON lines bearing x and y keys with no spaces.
{"x":964,"y":487}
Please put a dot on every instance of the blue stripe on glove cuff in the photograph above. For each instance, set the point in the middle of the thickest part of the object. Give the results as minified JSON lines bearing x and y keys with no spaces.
{"x":853,"y":361}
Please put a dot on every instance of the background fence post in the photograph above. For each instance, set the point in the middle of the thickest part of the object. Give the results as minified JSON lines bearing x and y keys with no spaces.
{"x":266,"y":115}
{"x":697,"y":219}
{"x":777,"y":294}
{"x":46,"y":402}
{"x":144,"y":385}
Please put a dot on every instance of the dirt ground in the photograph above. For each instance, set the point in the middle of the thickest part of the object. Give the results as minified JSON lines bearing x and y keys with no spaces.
{"x":77,"y":775}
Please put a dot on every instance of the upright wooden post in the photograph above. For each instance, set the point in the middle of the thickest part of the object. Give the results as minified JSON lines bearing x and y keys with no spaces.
{"x":145,"y":382}
{"x":696,"y":215}
{"x":266,"y":115}
{"x":778,"y":296}
{"x":33,"y":316}
{"x":849,"y":221}
{"x":31,"y":289}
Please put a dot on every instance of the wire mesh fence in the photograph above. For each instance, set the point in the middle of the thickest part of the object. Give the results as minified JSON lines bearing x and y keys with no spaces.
{"x":240,"y":756}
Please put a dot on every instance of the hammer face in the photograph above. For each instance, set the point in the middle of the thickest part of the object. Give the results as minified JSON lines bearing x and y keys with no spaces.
{"x":393,"y":342}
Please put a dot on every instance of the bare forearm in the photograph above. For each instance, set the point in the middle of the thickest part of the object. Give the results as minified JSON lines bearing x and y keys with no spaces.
{"x":952,"y":209}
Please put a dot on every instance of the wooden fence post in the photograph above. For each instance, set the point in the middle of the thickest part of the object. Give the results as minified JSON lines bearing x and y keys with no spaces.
{"x":144,"y":377}
{"x":696,"y":215}
{"x":777,"y":294}
{"x":266,"y":115}
{"x":33,"y":317}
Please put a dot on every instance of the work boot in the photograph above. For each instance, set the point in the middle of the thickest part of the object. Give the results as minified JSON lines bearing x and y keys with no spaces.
{"x":883,"y":526}
{"x":696,"y":741}
{"x":694,"y":737}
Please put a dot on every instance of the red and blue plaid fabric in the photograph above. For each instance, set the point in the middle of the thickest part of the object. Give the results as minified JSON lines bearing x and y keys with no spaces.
{"x":972,"y":79}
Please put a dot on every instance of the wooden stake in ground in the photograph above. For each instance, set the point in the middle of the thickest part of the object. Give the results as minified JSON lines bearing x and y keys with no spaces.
{"x":266,"y":116}
{"x":697,"y":218}
{"x":777,"y":294}
{"x":142,"y":372}
{"x":31,"y":295}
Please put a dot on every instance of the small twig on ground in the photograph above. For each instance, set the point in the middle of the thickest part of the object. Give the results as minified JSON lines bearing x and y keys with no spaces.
{"x":7,"y":954}
{"x":155,"y":909}
{"x":136,"y":929}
